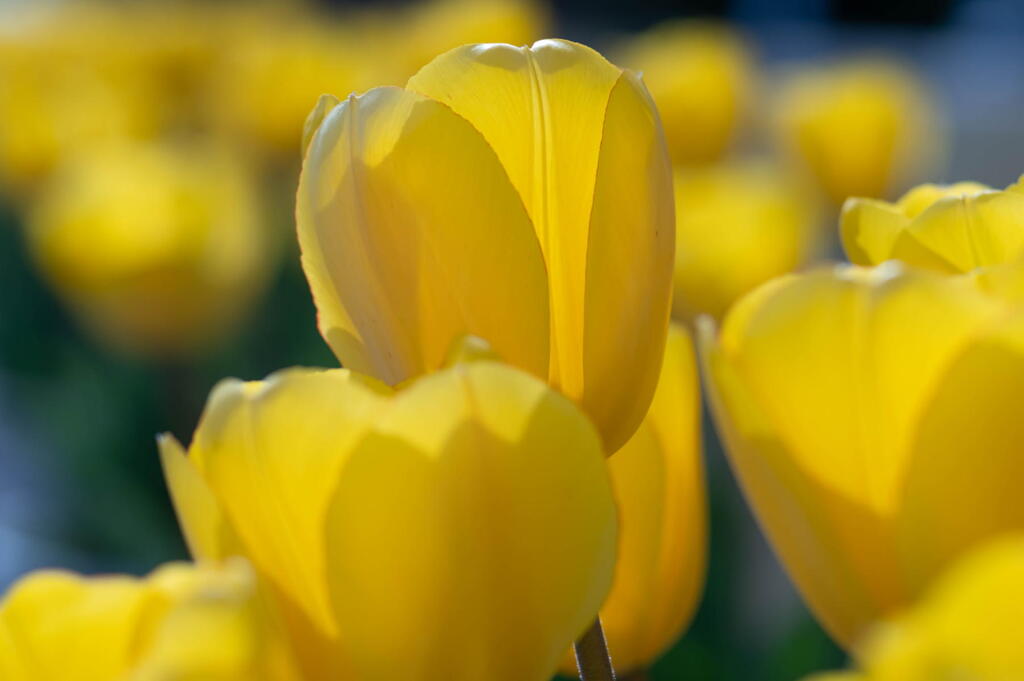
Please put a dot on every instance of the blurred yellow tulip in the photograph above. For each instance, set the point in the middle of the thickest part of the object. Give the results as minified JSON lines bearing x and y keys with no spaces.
{"x":968,"y":626}
{"x":858,"y":127}
{"x":466,"y":521}
{"x":737,"y":226}
{"x":658,"y":479}
{"x":700,"y":75}
{"x":871,"y":416}
{"x":954,"y":228}
{"x":157,"y":249}
{"x":182,"y":622}
{"x":522,"y":195}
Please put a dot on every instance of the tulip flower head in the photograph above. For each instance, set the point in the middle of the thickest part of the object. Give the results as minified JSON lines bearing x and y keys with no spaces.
{"x":466,"y":520}
{"x":699,"y":74}
{"x":181,"y":622}
{"x":658,"y":479}
{"x":954,"y":228}
{"x":726,"y":245}
{"x":856,"y":404}
{"x":158,"y":250}
{"x":857,"y":127}
{"x":522,"y":195}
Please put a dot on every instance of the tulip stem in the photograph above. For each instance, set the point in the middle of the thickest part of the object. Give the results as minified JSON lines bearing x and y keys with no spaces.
{"x":592,"y":657}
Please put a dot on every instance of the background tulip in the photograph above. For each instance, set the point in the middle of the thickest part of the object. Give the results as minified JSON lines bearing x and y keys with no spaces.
{"x":861,"y":450}
{"x":658,"y":479}
{"x":181,"y":622}
{"x":953,"y":228}
{"x":700,"y":75}
{"x":467,"y":519}
{"x":522,"y":195}
{"x":858,"y":127}
{"x":737,"y":225}
{"x":157,"y":249}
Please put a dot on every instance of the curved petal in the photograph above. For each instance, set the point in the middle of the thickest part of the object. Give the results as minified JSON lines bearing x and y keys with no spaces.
{"x":412,"y":236}
{"x":630,"y":254}
{"x":477,"y":518}
{"x":869,"y":229}
{"x":921,"y":197}
{"x":543,"y":114}
{"x":271,"y":453}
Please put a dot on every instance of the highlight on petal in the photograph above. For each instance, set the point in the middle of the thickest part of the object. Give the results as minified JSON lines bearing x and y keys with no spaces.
{"x":477,"y":517}
{"x":400,"y":263}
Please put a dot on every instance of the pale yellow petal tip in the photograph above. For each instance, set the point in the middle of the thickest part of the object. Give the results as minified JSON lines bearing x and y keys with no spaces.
{"x":875,"y":276}
{"x":470,"y":348}
{"x":324,"y":105}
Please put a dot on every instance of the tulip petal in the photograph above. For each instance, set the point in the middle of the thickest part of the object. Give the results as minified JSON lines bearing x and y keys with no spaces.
{"x":630,"y":255}
{"x":412,"y":236}
{"x":544,"y":117}
{"x":271,"y":452}
{"x":869,"y":229}
{"x":476,"y":526}
{"x":965,"y":232}
{"x":963,"y":480}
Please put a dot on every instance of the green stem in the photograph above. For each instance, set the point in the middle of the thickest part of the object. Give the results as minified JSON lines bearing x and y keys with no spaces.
{"x":592,"y":657}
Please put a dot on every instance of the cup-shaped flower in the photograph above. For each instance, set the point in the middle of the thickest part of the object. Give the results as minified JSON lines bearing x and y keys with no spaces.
{"x":857,"y":127}
{"x":157,"y":249}
{"x":699,"y":74}
{"x":658,"y":480}
{"x":522,"y":195}
{"x":726,"y":246}
{"x":951,"y":228}
{"x":871,"y":416}
{"x":466,"y":521}
{"x":968,"y":625}
{"x":181,"y":622}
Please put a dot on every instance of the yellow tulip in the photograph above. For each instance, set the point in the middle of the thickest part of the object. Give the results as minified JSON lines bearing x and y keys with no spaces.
{"x":181,"y":622}
{"x":871,"y":416}
{"x":700,"y":75}
{"x":658,"y":480}
{"x":954,"y":228}
{"x":522,"y":195}
{"x":858,"y":127}
{"x":968,"y":626}
{"x":466,"y":521}
{"x":737,"y":226}
{"x":157,"y":249}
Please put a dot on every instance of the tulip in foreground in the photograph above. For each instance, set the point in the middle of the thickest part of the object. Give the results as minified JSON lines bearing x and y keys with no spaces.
{"x":658,"y":479}
{"x":737,"y":226}
{"x":181,"y":622}
{"x":968,"y":626}
{"x":871,"y":416}
{"x":953,"y":228}
{"x":462,"y":528}
{"x":522,"y":195}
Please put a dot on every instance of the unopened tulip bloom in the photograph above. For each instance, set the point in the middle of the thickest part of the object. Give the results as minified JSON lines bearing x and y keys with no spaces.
{"x":858,"y":127}
{"x":181,"y":622}
{"x":658,"y":480}
{"x":872,"y":418}
{"x":737,"y":226}
{"x":156,"y":249}
{"x":522,"y":195}
{"x":700,"y":75}
{"x":953,"y":228}
{"x":968,"y":626}
{"x":460,"y":529}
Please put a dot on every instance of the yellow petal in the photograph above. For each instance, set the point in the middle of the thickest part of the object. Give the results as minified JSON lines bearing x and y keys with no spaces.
{"x":630,"y":254}
{"x":869,"y":229}
{"x":821,"y":438}
{"x":412,"y":236}
{"x":271,"y":453}
{"x":921,"y":197}
{"x":658,"y":479}
{"x":324,"y":105}
{"x":967,"y":449}
{"x":477,"y":518}
{"x":543,"y":114}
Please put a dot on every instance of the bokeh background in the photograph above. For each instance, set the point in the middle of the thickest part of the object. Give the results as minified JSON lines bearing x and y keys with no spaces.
{"x":149,"y":153}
